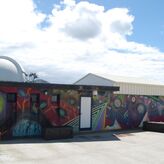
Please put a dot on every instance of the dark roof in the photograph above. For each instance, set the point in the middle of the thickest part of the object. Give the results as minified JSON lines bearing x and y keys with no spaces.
{"x":59,"y":86}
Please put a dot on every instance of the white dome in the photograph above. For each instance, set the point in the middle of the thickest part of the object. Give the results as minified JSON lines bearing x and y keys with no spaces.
{"x":10,"y":70}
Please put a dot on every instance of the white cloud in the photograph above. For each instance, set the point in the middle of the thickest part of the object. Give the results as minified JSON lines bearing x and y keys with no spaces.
{"x":68,"y":3}
{"x":82,"y":28}
{"x":120,"y":21}
{"x":82,"y":37}
{"x":19,"y":20}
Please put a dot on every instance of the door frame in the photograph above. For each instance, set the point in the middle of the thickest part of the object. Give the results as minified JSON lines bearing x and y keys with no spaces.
{"x":88,"y":128}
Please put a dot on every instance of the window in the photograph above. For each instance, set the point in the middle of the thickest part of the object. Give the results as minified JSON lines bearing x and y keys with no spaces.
{"x":35,"y":98}
{"x":11,"y":97}
{"x":55,"y":98}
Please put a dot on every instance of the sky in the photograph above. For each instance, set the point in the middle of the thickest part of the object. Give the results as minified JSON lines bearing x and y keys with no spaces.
{"x":63,"y":40}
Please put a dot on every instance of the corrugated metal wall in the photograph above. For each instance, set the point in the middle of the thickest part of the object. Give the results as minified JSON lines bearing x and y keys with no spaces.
{"x":130,"y":88}
{"x":140,"y":89}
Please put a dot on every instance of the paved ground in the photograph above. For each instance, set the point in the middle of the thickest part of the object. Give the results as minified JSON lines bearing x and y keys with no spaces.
{"x":121,"y":147}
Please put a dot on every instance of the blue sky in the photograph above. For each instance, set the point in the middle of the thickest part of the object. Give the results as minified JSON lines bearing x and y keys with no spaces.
{"x":148,"y":24}
{"x":64,"y":40}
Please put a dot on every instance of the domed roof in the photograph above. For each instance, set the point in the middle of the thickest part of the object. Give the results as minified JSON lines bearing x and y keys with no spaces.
{"x":10,"y":70}
{"x":40,"y":81}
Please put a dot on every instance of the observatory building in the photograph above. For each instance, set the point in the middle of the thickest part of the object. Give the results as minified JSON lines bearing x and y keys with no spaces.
{"x":10,"y":70}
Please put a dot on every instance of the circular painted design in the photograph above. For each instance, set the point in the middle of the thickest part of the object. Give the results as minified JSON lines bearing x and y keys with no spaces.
{"x":117,"y":103}
{"x":141,"y":108}
{"x":133,"y":99}
{"x":71,"y":101}
{"x":153,"y":105}
{"x":21,"y":93}
{"x":1,"y":104}
{"x":43,"y":105}
{"x":62,"y":113}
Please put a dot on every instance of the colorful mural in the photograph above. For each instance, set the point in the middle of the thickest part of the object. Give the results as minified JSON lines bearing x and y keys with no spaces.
{"x":125,"y":111}
{"x":25,"y":128}
{"x":25,"y":111}
{"x":130,"y":111}
{"x":35,"y":109}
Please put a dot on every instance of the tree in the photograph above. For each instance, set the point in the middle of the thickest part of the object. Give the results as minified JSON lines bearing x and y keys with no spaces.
{"x":30,"y":77}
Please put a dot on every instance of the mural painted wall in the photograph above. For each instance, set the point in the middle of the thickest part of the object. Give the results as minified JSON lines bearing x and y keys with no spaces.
{"x":35,"y":109}
{"x":29,"y":110}
{"x":127,"y":111}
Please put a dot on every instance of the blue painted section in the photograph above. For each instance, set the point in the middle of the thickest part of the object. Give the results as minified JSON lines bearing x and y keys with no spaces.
{"x":26,"y":127}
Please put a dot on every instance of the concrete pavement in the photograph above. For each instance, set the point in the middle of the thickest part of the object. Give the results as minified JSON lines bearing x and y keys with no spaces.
{"x":125,"y":147}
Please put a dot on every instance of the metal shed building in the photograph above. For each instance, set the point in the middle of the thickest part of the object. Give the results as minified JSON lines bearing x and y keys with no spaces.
{"x":128,"y":85}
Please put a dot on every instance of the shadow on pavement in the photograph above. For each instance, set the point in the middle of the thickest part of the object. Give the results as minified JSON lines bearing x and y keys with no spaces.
{"x":82,"y":137}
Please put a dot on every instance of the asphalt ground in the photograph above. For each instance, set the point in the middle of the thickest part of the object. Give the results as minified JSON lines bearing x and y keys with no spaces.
{"x":114,"y":147}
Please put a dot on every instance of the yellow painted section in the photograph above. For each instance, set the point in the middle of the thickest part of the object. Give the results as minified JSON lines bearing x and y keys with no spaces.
{"x":1,"y":104}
